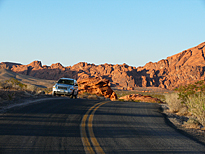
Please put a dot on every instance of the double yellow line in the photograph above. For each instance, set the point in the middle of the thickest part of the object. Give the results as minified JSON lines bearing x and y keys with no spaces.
{"x":88,"y":117}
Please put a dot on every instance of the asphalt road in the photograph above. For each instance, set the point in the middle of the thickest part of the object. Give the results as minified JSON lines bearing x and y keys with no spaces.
{"x":90,"y":126}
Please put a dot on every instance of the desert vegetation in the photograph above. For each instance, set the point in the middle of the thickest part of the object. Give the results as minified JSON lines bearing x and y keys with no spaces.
{"x":12,"y":83}
{"x":189,"y":99}
{"x":12,"y":88}
{"x":15,"y":84}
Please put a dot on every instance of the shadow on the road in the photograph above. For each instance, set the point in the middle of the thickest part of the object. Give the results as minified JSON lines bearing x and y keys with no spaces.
{"x":45,"y":119}
{"x":56,"y":121}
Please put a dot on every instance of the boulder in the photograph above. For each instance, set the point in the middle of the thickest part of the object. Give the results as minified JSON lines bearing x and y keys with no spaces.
{"x":96,"y":86}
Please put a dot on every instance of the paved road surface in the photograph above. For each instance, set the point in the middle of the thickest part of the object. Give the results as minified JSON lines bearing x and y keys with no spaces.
{"x":132,"y":127}
{"x":79,"y":126}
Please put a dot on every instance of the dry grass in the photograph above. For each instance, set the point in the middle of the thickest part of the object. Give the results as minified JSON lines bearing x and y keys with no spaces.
{"x":196,"y":105}
{"x":192,"y":123}
{"x":32,"y":88}
{"x":175,"y":105}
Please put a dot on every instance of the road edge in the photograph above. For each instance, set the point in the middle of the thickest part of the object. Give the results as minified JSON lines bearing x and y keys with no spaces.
{"x":190,"y":133}
{"x":26,"y":102}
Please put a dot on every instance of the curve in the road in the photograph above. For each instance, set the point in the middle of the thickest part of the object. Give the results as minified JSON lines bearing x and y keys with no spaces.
{"x":131,"y":127}
{"x":61,"y":125}
{"x":88,"y":117}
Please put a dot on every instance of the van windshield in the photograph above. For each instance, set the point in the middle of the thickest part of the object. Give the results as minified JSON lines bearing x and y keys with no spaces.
{"x":63,"y":81}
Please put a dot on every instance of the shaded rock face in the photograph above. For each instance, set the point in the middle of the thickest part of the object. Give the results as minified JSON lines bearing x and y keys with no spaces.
{"x":180,"y":69}
{"x":141,"y":98}
{"x":96,"y":86}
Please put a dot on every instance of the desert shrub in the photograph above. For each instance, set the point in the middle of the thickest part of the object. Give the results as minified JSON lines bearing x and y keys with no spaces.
{"x":5,"y":85}
{"x":196,"y":105}
{"x":7,"y":95}
{"x":10,"y":96}
{"x":174,"y":102}
{"x":32,"y":88}
{"x":187,"y":91}
{"x":193,"y":96}
{"x":160,"y":96}
{"x":13,"y":83}
{"x":48,"y":90}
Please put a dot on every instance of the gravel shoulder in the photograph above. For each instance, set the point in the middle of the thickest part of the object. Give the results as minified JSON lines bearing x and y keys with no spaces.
{"x":178,"y":122}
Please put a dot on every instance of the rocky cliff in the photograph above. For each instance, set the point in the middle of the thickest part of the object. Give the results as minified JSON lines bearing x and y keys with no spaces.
{"x":180,"y":69}
{"x":185,"y":67}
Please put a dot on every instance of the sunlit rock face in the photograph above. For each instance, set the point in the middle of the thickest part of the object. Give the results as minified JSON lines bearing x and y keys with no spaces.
{"x":96,"y":86}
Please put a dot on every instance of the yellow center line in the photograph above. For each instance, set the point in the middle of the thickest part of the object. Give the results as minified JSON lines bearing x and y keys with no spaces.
{"x":87,"y":147}
{"x":86,"y":143}
{"x":91,"y":133}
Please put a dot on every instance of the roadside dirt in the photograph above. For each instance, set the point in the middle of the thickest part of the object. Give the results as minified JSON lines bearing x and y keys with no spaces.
{"x":15,"y":98}
{"x":195,"y":132}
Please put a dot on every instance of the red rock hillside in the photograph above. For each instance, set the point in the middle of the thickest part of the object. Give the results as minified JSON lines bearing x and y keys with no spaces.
{"x":182,"y":68}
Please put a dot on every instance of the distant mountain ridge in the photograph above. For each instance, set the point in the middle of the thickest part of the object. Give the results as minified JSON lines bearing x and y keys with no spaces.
{"x":183,"y":68}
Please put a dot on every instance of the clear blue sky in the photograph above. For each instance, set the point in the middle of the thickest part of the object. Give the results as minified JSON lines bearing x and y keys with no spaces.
{"x":134,"y":32}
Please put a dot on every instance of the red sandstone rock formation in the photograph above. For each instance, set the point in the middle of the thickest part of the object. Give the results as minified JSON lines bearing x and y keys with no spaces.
{"x":180,"y":69}
{"x":96,"y":86}
{"x":141,"y":98}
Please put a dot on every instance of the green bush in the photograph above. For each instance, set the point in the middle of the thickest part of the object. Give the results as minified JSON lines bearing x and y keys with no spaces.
{"x":191,"y":90}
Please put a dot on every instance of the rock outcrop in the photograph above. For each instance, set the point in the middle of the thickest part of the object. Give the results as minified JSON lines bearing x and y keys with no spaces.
{"x":96,"y":86}
{"x":140,"y":98}
{"x":180,"y":69}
